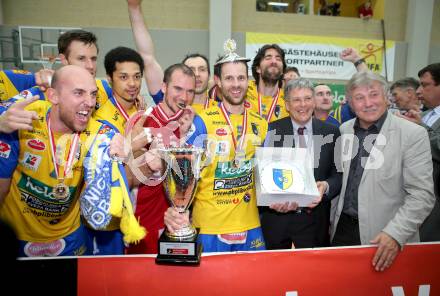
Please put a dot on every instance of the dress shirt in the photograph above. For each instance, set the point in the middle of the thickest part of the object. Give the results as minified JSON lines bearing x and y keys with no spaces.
{"x":356,"y":166}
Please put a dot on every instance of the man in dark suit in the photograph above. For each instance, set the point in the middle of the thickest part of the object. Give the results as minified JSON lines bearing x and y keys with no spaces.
{"x":286,"y":224}
{"x":429,"y":93}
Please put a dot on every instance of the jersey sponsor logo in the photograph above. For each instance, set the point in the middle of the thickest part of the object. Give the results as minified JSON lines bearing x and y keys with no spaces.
{"x":36,"y":144}
{"x":228,"y":170}
{"x":221,"y":132}
{"x":222,"y":148}
{"x":257,"y":243}
{"x":29,"y":134}
{"x":227,"y":201}
{"x":231,"y":192}
{"x":39,"y":189}
{"x":31,"y":161}
{"x":218,"y":122}
{"x":220,"y":184}
{"x":53,"y":248}
{"x":5,"y":149}
{"x":247,"y":197}
{"x":41,"y":208}
{"x":212,"y":113}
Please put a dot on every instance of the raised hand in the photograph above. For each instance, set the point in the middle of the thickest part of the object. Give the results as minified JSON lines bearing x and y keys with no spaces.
{"x":17,"y":118}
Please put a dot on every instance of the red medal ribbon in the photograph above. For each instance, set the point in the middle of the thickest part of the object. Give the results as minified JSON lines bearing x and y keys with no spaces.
{"x":272,"y":107}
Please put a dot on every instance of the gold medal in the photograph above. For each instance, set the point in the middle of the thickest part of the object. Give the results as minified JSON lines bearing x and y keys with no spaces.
{"x":240,"y":153}
{"x":61,"y":191}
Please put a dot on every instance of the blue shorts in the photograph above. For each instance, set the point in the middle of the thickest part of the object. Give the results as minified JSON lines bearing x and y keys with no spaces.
{"x":250,"y":240}
{"x":75,"y":244}
{"x":102,"y":242}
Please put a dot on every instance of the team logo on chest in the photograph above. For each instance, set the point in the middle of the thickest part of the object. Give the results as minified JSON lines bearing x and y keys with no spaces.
{"x":277,"y":111}
{"x":254,"y":128}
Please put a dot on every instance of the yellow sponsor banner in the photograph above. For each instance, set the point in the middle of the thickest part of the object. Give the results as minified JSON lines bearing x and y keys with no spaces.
{"x":318,"y":56}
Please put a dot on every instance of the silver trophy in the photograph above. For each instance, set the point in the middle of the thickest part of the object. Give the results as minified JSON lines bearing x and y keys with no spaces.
{"x":183,"y":173}
{"x":183,"y":168}
{"x":47,"y":61}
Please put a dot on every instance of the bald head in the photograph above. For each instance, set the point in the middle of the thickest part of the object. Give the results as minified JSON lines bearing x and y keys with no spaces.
{"x":73,"y":97}
{"x":69,"y":71}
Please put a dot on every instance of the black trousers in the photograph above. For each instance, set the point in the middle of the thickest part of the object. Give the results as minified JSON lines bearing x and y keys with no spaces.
{"x":347,"y":232}
{"x":280,"y":230}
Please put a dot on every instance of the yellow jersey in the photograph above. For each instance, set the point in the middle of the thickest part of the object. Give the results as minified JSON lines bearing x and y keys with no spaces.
{"x":225,"y":200}
{"x":31,"y":205}
{"x":270,"y":108}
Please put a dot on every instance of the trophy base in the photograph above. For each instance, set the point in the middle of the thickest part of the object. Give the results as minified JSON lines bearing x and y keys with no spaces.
{"x":182,"y":252}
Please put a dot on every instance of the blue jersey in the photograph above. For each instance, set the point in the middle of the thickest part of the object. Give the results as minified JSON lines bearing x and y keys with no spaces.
{"x":12,"y":82}
{"x":340,"y":115}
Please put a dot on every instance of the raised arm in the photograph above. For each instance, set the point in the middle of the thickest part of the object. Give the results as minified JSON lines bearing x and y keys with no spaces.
{"x":144,"y":44}
{"x":351,"y":55}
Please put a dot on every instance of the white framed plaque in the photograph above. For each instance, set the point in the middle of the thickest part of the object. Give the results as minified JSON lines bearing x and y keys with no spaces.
{"x":284,"y":174}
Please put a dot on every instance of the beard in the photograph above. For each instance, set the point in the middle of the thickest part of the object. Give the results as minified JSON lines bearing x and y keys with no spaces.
{"x":230,"y":100}
{"x":271,"y":78}
{"x":68,"y":119}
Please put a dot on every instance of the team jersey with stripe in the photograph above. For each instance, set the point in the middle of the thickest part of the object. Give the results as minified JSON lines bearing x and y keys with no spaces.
{"x":277,"y":110}
{"x":151,"y":201}
{"x":25,"y":157}
{"x":12,"y":82}
{"x":225,"y":200}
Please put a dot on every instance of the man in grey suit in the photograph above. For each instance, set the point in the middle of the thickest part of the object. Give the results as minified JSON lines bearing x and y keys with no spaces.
{"x":430,"y":120}
{"x":387,"y":187}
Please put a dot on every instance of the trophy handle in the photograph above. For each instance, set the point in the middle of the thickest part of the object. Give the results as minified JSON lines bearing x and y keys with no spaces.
{"x":204,"y":161}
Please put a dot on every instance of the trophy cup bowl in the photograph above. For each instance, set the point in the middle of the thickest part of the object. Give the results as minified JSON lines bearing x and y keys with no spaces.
{"x":47,"y":61}
{"x":183,"y":167}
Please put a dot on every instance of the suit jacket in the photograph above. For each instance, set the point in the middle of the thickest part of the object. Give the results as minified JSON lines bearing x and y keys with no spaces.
{"x":429,"y":231}
{"x":434,"y":139}
{"x":280,"y":134}
{"x":396,"y":190}
{"x":324,"y":169}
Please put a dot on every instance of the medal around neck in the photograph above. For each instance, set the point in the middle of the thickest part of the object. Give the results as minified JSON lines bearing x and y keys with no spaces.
{"x":61,"y":191}
{"x":183,"y":168}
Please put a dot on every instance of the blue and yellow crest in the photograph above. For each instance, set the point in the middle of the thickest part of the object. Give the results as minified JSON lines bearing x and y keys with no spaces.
{"x":282,"y":178}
